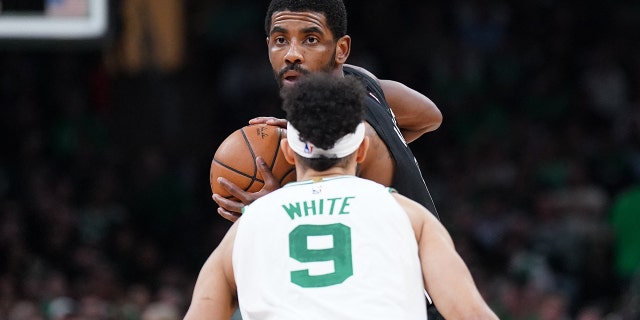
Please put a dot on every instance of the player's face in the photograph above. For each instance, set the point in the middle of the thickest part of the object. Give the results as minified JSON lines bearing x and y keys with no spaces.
{"x":300,"y":43}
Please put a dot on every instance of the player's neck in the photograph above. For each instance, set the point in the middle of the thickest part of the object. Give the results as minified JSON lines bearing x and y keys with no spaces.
{"x":310,"y":174}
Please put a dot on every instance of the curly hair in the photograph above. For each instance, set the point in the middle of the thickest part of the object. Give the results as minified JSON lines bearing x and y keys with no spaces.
{"x":333,"y":10}
{"x":325,"y":108}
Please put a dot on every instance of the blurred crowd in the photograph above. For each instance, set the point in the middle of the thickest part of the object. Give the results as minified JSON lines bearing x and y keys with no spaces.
{"x":105,"y":208}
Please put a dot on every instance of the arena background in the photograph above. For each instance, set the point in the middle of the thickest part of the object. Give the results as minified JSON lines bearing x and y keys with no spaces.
{"x":105,"y":209}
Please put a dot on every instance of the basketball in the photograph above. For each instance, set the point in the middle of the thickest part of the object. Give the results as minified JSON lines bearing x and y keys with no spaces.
{"x":235,"y":159}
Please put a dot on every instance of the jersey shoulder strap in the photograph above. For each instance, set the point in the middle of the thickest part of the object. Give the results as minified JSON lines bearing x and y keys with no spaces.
{"x":372,"y":85}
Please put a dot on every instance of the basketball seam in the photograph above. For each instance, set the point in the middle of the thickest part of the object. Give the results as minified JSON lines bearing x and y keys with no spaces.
{"x":275,"y":154}
{"x":254,"y":178}
{"x":286,"y":174}
{"x":232,"y":169}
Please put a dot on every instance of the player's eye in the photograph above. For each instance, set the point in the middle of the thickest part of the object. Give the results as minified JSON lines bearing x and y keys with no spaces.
{"x":313,"y":40}
{"x":280,"y":40}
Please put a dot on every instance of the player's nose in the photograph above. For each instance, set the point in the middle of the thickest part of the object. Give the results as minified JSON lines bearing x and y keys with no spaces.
{"x":294,"y":54}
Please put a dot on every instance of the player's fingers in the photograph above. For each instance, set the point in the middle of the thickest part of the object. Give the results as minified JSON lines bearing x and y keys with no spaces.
{"x":231,"y":216}
{"x":228,"y":204}
{"x":273,"y":121}
{"x":282,"y":123}
{"x":243,"y":196}
{"x":258,"y":120}
{"x":270,"y":182}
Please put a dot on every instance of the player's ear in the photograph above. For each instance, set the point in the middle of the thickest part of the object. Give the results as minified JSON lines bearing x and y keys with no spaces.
{"x":343,"y":48}
{"x":361,"y":153}
{"x":287,"y":151}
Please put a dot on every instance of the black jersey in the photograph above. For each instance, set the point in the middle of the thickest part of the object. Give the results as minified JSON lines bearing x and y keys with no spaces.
{"x":407,"y":177}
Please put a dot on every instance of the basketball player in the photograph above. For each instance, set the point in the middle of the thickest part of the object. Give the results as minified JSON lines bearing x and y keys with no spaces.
{"x":306,"y":36}
{"x":333,"y":245}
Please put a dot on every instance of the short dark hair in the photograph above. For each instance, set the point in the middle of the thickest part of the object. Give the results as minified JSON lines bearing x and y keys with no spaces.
{"x":324,"y":108}
{"x":333,"y":10}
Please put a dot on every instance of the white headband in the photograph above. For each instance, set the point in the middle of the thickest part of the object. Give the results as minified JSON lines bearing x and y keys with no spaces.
{"x":342,"y":148}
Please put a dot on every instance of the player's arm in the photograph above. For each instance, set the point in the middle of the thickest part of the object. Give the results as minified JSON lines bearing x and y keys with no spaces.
{"x":415,"y":113}
{"x":447,"y":278}
{"x":214,"y":294}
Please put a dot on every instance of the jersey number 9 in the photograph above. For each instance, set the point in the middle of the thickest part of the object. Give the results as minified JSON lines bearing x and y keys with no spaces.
{"x":339,"y":253}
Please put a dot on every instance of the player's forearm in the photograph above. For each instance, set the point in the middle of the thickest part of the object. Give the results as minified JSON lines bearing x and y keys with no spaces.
{"x":452,"y":288}
{"x":465,"y":303}
{"x":461,"y":300}
{"x":212,"y":298}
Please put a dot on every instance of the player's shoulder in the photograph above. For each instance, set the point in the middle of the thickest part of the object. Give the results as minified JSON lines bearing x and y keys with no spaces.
{"x":350,"y":68}
{"x":369,"y":186}
{"x":412,"y":207}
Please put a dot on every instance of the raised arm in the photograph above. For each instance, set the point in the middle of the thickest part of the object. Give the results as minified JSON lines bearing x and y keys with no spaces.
{"x":214,"y":294}
{"x":415,"y":113}
{"x":447,"y":278}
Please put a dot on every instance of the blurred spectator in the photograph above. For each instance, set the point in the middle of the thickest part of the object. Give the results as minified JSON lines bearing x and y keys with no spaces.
{"x":25,"y":310}
{"x":553,"y":307}
{"x":161,"y":311}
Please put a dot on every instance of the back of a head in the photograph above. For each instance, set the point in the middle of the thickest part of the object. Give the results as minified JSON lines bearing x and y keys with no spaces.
{"x":333,"y":10}
{"x":325,"y":108}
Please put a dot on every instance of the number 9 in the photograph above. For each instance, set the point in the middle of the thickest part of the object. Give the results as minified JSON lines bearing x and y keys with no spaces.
{"x":340,"y":254}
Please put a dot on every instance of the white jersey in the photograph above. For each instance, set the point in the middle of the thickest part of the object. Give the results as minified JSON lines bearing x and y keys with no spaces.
{"x":339,"y":248}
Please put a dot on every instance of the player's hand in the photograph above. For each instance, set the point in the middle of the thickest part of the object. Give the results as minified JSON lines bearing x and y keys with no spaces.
{"x":231,"y":209}
{"x":227,"y":208}
{"x":272,"y":121}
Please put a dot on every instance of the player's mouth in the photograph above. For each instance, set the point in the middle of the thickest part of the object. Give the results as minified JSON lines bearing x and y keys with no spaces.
{"x":290,"y":77}
{"x":290,"y":74}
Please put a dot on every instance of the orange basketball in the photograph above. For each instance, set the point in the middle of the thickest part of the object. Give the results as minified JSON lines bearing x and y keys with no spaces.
{"x":235,"y":159}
